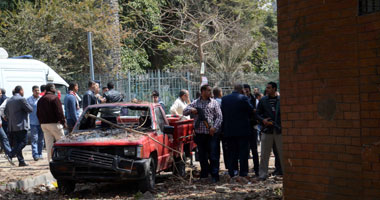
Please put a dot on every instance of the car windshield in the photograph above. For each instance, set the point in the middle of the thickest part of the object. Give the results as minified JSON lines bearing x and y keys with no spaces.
{"x":126,"y":116}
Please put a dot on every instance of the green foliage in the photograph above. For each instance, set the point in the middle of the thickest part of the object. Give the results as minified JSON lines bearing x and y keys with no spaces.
{"x":265,"y":57}
{"x":134,"y":59}
{"x":55,"y":32}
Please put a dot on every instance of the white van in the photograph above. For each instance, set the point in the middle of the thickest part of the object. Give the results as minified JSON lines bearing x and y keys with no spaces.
{"x":27,"y":73}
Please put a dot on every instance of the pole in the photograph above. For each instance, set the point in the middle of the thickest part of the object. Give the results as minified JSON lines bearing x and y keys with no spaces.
{"x":159,"y":82}
{"x":129,"y":86}
{"x":188,"y":84}
{"x":89,"y":40}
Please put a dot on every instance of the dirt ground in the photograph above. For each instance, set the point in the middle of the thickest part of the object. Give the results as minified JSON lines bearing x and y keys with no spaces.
{"x":167,"y":186}
{"x":11,"y":173}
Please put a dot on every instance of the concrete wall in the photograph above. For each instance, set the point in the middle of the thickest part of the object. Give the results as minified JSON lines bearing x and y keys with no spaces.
{"x":330,"y":100}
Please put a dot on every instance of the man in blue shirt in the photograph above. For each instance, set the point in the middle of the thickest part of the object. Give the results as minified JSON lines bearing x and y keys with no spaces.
{"x":35,"y":127}
{"x":71,"y":106}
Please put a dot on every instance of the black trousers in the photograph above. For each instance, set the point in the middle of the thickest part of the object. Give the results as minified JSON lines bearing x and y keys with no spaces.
{"x":255,"y":154}
{"x":227,"y":156}
{"x":20,"y":139}
{"x":238,"y":152}
{"x":209,"y":154}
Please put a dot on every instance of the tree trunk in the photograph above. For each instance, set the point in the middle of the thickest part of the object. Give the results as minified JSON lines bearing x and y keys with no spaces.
{"x":114,"y":51}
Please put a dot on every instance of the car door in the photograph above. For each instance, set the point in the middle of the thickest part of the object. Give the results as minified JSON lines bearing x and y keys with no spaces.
{"x":165,"y":153}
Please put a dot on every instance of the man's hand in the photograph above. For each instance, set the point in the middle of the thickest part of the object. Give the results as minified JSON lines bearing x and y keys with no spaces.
{"x":266,"y":122}
{"x":194,"y":111}
{"x":212,"y":131}
{"x":1,"y":125}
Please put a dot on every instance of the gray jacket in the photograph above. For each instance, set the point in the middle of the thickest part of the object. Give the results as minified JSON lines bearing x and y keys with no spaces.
{"x":16,"y":112}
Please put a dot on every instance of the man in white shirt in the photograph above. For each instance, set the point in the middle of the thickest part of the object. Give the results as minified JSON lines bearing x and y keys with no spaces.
{"x":182,"y":101}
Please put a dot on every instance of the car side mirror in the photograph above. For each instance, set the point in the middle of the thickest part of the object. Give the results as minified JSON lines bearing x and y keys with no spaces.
{"x":168,"y":129}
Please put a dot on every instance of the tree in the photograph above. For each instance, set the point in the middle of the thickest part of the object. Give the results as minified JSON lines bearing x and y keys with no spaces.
{"x":229,"y":57}
{"x":54,"y":31}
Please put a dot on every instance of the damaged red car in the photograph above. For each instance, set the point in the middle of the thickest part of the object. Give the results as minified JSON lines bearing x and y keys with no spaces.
{"x":101,"y":149}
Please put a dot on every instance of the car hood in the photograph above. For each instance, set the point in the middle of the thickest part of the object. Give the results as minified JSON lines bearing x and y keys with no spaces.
{"x":101,"y":138}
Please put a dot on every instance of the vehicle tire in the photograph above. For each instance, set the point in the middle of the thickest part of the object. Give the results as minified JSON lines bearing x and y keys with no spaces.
{"x":179,"y":168}
{"x":65,"y":186}
{"x":147,"y":184}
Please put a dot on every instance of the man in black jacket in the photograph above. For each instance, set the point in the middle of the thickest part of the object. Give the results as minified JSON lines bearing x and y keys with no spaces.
{"x":253,"y":136}
{"x":268,"y":113}
{"x":112,"y":95}
{"x":237,"y":128}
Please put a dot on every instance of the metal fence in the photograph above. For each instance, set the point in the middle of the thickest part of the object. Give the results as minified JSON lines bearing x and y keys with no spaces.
{"x":167,"y":83}
{"x":368,"y":6}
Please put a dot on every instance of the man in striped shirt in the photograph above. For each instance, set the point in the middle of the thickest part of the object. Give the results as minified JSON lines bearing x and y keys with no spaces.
{"x":207,"y":121}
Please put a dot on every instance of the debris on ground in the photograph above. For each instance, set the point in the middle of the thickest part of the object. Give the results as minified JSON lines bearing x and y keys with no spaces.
{"x":167,"y":187}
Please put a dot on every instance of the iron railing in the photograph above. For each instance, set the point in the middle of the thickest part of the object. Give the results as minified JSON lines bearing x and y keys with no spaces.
{"x":368,"y":6}
{"x":167,"y":83}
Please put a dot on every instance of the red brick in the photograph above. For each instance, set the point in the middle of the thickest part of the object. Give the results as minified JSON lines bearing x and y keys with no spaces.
{"x":370,"y":123}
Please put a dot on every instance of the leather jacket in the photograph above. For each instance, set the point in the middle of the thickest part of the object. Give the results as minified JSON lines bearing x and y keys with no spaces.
{"x":113,"y":96}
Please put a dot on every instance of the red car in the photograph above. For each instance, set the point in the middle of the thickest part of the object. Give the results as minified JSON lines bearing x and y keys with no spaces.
{"x":97,"y":151}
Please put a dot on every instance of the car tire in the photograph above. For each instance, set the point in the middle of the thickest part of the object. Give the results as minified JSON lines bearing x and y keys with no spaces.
{"x":65,"y":186}
{"x":147,"y":184}
{"x":179,"y":168}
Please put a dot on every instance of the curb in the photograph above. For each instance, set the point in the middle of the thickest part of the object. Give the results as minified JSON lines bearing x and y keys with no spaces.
{"x":29,"y":183}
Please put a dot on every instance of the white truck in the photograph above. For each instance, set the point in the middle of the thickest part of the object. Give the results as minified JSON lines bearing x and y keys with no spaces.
{"x":27,"y":73}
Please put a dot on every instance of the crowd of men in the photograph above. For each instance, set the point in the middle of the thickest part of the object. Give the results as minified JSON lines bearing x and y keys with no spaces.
{"x":43,"y":114}
{"x":236,"y":121}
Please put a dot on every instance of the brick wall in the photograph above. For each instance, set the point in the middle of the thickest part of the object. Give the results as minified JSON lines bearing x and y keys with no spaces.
{"x":330,"y":99}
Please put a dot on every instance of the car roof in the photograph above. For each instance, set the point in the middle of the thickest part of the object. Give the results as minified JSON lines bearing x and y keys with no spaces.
{"x":143,"y":104}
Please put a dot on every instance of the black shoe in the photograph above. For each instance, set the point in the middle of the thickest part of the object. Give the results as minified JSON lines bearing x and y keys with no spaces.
{"x":215,"y":179}
{"x":9,"y":159}
{"x":36,"y":158}
{"x":23,"y":164}
{"x":277,"y":173}
{"x":262,"y":179}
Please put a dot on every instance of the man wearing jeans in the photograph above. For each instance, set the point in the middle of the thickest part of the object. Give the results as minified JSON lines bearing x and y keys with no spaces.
{"x":37,"y":135}
{"x":50,"y":115}
{"x":71,"y":106}
{"x":207,"y":123}
{"x":268,"y":113}
{"x":16,"y":112}
{"x":5,"y":143}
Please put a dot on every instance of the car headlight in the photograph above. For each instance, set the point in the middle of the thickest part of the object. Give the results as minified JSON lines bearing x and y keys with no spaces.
{"x":60,"y":152}
{"x":139,"y":151}
{"x":130,"y":151}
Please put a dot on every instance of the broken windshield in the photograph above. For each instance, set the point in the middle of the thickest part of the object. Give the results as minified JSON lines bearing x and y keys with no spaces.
{"x":126,"y":116}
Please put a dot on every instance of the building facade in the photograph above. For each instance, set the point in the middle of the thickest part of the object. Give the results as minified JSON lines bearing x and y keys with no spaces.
{"x":329,"y":52}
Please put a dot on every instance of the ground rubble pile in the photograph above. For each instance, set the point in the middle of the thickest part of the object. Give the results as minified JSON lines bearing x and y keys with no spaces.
{"x":167,"y":187}
{"x":227,"y":188}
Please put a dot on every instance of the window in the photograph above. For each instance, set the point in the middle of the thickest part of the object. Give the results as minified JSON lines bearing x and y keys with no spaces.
{"x":126,"y":116}
{"x":368,"y":6}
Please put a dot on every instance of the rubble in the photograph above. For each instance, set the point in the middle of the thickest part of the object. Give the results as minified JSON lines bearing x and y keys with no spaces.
{"x":101,"y":135}
{"x":222,"y":189}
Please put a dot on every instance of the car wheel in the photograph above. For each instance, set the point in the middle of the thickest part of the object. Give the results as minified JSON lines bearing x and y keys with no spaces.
{"x":147,"y":184}
{"x":179,"y":168}
{"x":66,"y":187}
